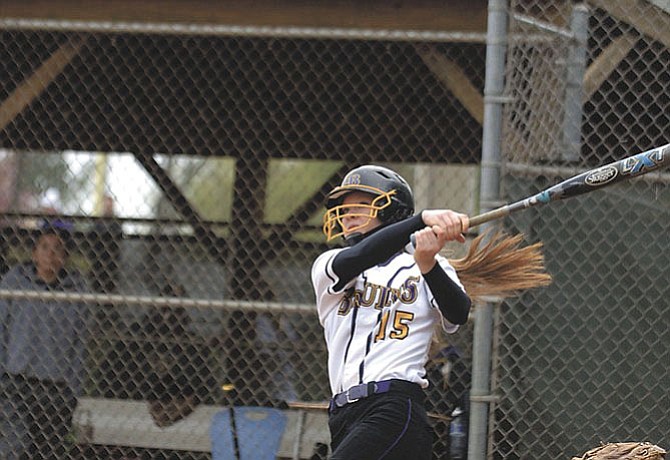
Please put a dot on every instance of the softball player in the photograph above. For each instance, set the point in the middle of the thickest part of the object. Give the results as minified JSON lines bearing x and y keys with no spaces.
{"x":379,"y":300}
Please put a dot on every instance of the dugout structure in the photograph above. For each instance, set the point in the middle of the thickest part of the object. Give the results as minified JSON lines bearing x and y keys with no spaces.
{"x":239,"y":128}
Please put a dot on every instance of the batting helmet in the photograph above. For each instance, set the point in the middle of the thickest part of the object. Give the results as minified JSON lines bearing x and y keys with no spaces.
{"x":394,"y":200}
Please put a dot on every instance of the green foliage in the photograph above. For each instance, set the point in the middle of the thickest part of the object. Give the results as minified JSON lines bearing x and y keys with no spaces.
{"x":210,"y":188}
{"x":291,"y":182}
{"x":39,"y":172}
{"x":42,"y":171}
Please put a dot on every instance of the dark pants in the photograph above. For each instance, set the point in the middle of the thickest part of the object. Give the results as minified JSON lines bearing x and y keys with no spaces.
{"x":387,"y":426}
{"x":38,"y":414}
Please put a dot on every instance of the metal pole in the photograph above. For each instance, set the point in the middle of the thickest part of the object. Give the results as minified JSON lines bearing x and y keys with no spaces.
{"x":101,"y":164}
{"x":574,"y":90}
{"x":496,"y":47}
{"x":241,"y":31}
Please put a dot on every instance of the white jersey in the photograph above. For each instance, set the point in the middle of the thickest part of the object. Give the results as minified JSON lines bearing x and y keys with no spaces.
{"x":379,"y":326}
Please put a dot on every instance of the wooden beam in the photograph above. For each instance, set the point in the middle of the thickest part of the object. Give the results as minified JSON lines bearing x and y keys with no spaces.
{"x":452,"y":15}
{"x":608,"y":60}
{"x":455,"y":79}
{"x":33,"y":86}
{"x":174,"y":195}
{"x":644,"y":16}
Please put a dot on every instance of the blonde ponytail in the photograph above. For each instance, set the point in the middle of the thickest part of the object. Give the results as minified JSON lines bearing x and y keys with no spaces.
{"x":497,"y":265}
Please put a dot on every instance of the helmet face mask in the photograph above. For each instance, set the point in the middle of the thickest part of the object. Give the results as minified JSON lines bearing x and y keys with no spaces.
{"x":332,"y":219}
{"x":393,"y":200}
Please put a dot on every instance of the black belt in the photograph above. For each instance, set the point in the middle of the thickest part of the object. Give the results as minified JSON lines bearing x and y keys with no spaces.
{"x":365,"y":390}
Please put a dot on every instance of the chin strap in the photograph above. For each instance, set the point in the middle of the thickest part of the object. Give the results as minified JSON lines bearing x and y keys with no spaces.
{"x":353,"y":238}
{"x":357,"y":237}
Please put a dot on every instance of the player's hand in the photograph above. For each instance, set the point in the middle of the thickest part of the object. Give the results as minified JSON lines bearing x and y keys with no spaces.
{"x":428,"y":242}
{"x":454,"y":224}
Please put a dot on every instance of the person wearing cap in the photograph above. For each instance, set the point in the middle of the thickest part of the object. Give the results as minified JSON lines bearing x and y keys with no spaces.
{"x":42,"y":345}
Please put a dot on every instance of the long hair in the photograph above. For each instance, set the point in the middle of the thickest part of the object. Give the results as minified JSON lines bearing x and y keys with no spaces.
{"x":497,"y":265}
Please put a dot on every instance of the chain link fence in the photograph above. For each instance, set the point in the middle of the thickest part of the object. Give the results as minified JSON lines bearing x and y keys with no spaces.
{"x":189,"y":167}
{"x":586,"y":360}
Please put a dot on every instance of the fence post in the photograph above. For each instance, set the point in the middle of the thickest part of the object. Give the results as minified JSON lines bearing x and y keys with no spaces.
{"x":575,"y":69}
{"x":496,"y":46}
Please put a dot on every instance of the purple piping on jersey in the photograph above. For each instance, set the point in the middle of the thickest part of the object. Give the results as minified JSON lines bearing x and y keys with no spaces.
{"x":404,"y":429}
{"x":384,"y":264}
{"x":332,"y":277}
{"x":400,"y":270}
{"x":354,"y":314}
{"x":368,"y":345}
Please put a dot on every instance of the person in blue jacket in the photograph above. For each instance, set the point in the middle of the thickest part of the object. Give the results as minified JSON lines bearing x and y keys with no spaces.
{"x":42,"y":344}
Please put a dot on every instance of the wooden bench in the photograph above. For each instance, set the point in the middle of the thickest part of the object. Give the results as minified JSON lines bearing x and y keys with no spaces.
{"x":120,"y":422}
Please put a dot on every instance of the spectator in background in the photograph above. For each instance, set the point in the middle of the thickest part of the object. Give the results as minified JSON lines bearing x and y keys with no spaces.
{"x":42,"y":346}
{"x":276,"y":337}
{"x":105,"y":253}
{"x":258,"y":369}
{"x":174,"y":383}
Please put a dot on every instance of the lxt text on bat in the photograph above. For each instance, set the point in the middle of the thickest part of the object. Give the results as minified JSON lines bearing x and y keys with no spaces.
{"x":639,"y":164}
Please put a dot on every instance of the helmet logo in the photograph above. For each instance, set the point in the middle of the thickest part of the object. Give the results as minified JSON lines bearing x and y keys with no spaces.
{"x":353,"y":179}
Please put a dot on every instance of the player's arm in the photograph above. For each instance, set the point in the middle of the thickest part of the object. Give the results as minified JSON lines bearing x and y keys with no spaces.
{"x":376,"y":248}
{"x":453,"y":302}
{"x":451,"y":299}
{"x":380,"y":245}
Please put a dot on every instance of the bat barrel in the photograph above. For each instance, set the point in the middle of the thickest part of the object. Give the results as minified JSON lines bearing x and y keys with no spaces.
{"x":585,"y":182}
{"x":603,"y":176}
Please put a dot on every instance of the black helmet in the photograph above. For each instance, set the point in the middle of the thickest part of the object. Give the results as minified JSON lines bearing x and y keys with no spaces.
{"x":394,"y":202}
